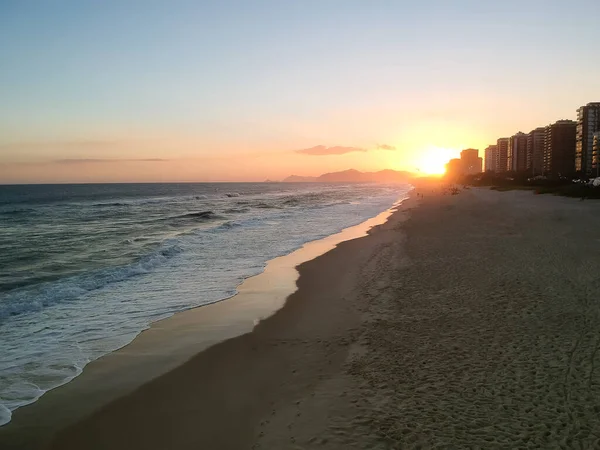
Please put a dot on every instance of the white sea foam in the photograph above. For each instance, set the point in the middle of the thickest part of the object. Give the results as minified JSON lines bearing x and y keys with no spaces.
{"x":69,"y":289}
{"x":5,"y":414}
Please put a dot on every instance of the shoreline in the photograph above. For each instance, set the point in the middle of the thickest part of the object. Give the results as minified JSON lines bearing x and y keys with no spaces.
{"x":169,"y":343}
{"x":466,"y":320}
{"x":469,"y":321}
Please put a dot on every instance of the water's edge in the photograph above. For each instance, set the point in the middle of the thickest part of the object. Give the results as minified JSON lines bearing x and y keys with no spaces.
{"x":169,"y":342}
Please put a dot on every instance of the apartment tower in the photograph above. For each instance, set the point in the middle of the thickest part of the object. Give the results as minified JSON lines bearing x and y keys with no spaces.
{"x":535,"y":151}
{"x":491,"y":158}
{"x":471,"y":161}
{"x":517,"y":153}
{"x":502,"y":149}
{"x":588,"y":123}
{"x":560,"y":149}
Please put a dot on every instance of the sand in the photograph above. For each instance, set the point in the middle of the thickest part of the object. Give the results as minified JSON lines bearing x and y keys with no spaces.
{"x":465,"y":321}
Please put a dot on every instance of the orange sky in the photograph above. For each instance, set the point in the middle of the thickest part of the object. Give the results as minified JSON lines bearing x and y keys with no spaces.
{"x":367,"y":140}
{"x":135,"y":162}
{"x":198,"y":91}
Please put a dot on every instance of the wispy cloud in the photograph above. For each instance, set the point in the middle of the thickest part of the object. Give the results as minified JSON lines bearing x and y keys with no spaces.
{"x":104,"y":160}
{"x":321,"y":150}
{"x":75,"y":144}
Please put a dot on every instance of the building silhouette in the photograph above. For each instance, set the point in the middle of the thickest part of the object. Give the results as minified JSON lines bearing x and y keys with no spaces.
{"x":471,"y":161}
{"x":502,"y":148}
{"x":536,"y":140}
{"x":491,"y":158}
{"x":588,"y":123}
{"x":517,"y":153}
{"x":559,"y":149}
{"x":596,"y":152}
{"x":562,"y":149}
{"x":454,"y":168}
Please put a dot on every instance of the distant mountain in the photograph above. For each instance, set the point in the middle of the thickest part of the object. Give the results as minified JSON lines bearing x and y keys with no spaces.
{"x":354,"y":176}
{"x":297,"y":179}
{"x":347,"y":176}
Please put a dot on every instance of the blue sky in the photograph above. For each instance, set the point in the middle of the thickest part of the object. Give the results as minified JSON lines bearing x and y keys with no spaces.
{"x":199,"y":82}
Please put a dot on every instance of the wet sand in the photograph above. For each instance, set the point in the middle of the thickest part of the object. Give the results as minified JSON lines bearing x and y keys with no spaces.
{"x":465,"y":321}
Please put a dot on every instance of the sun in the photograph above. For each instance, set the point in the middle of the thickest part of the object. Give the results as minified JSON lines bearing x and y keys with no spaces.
{"x":433,"y":160}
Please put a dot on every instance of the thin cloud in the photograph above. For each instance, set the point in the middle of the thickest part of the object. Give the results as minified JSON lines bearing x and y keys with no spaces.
{"x":321,"y":150}
{"x":385,"y":147}
{"x":106,"y":160}
{"x":87,"y":144}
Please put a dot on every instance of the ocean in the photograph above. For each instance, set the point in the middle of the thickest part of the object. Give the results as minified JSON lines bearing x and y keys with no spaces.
{"x":86,"y":268}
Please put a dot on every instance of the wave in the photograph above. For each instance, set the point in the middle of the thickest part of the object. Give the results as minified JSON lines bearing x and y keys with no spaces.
{"x":108,"y":205}
{"x":266,"y":206}
{"x":310,"y":200}
{"x":70,"y":289}
{"x":301,"y":201}
{"x":202,"y":215}
{"x":136,"y":239}
{"x":18,"y":212}
{"x":132,"y":203}
{"x":236,"y":210}
{"x":228,"y":226}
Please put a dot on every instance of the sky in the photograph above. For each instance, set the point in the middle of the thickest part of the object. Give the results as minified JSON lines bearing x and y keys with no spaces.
{"x":146,"y":90}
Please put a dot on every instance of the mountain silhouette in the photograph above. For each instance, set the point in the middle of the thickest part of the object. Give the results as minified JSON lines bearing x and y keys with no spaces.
{"x":355,"y":176}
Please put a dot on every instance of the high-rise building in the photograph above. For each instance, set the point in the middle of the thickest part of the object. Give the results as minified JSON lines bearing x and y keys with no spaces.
{"x":517,"y":153}
{"x":491,"y":158}
{"x":588,"y":123}
{"x":469,"y":164}
{"x":471,"y":161}
{"x":595,"y":154}
{"x":535,"y":151}
{"x":454,"y":168}
{"x":502,"y":148}
{"x":559,"y":150}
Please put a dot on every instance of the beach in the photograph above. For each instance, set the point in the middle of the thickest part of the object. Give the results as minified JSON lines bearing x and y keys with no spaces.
{"x":463,"y":321}
{"x":126,"y":257}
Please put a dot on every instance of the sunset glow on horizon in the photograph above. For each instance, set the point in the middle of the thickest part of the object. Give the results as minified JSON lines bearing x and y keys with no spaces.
{"x":248,"y":91}
{"x":433,"y":160}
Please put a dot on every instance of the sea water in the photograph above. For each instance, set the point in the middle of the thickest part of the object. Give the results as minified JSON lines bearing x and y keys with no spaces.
{"x":85,"y":268}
